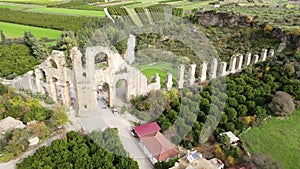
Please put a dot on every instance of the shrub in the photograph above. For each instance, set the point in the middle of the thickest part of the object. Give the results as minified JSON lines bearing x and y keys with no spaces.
{"x":282,"y":104}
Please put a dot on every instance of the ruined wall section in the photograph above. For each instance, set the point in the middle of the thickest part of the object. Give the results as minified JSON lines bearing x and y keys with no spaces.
{"x":46,"y":78}
{"x":88,"y":77}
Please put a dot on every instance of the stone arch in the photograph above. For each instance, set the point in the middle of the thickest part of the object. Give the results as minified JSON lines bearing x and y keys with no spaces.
{"x":101,"y":60}
{"x":45,"y":91}
{"x":55,"y":92}
{"x":104,"y":93}
{"x":41,"y":75}
{"x":121,"y":90}
{"x":53,"y":64}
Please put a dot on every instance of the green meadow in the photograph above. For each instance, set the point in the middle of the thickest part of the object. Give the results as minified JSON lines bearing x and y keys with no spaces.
{"x":15,"y":30}
{"x":278,"y":138}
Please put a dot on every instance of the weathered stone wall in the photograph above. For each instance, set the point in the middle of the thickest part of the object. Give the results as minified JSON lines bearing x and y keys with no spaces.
{"x":238,"y":62}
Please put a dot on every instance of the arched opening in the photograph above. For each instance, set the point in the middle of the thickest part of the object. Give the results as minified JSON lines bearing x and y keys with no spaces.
{"x":45,"y":91}
{"x":121,"y":92}
{"x":72,"y":94}
{"x":103,"y":95}
{"x":42,"y":75}
{"x":53,"y":63}
{"x":101,"y":60}
{"x":57,"y":89}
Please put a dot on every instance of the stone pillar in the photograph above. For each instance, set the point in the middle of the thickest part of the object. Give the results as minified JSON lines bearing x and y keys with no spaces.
{"x":239,"y":62}
{"x":180,"y":81}
{"x":202,"y":72}
{"x":271,"y":53}
{"x":247,"y":59}
{"x":111,"y":96}
{"x":65,"y":92}
{"x":263,"y":55}
{"x":130,"y":55}
{"x":222,"y":70}
{"x":157,"y":79}
{"x":232,"y":64}
{"x":192,"y":71}
{"x":169,"y":82}
{"x":255,"y":59}
{"x":38,"y":80}
{"x":213,"y":69}
{"x":52,"y":86}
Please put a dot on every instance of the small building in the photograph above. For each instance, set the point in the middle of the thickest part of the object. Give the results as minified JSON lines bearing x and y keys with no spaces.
{"x":9,"y":124}
{"x":155,"y":145}
{"x":217,"y":163}
{"x":146,"y":129}
{"x":33,"y":141}
{"x":193,"y":156}
{"x":233,"y":139}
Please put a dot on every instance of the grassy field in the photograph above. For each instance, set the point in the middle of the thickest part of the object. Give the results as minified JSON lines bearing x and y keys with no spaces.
{"x":16,"y":30}
{"x":41,"y":2}
{"x":161,"y":68}
{"x":12,"y":7}
{"x":277,"y":138}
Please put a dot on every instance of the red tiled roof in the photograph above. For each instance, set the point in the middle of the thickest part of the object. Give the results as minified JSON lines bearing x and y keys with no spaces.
{"x":146,"y":129}
{"x":160,"y":147}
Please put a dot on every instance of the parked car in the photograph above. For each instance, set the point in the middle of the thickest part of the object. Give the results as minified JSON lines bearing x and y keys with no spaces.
{"x":132,"y":132}
{"x":114,"y":111}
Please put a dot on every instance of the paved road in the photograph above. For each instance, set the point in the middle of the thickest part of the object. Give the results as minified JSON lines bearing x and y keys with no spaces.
{"x":97,"y":121}
{"x":105,"y":118}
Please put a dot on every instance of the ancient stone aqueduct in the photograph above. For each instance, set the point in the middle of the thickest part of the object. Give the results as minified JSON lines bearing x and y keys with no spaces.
{"x":77,"y":86}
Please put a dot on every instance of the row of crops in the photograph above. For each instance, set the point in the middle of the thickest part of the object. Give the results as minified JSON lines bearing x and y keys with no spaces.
{"x":113,"y":10}
{"x":157,"y":12}
{"x":141,"y":12}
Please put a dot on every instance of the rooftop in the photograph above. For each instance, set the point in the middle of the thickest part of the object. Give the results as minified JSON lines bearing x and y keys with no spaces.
{"x":232,"y":137}
{"x":146,"y":129}
{"x":159,"y":146}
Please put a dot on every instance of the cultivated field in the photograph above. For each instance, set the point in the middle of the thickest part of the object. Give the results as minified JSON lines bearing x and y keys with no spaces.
{"x":42,"y":9}
{"x":68,"y":11}
{"x":16,"y":30}
{"x":277,"y":138}
{"x":42,"y":2}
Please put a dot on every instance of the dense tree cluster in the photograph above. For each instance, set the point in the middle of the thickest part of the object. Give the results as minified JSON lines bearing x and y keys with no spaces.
{"x":16,"y":59}
{"x":239,"y":102}
{"x":76,"y":151}
{"x":18,"y":56}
